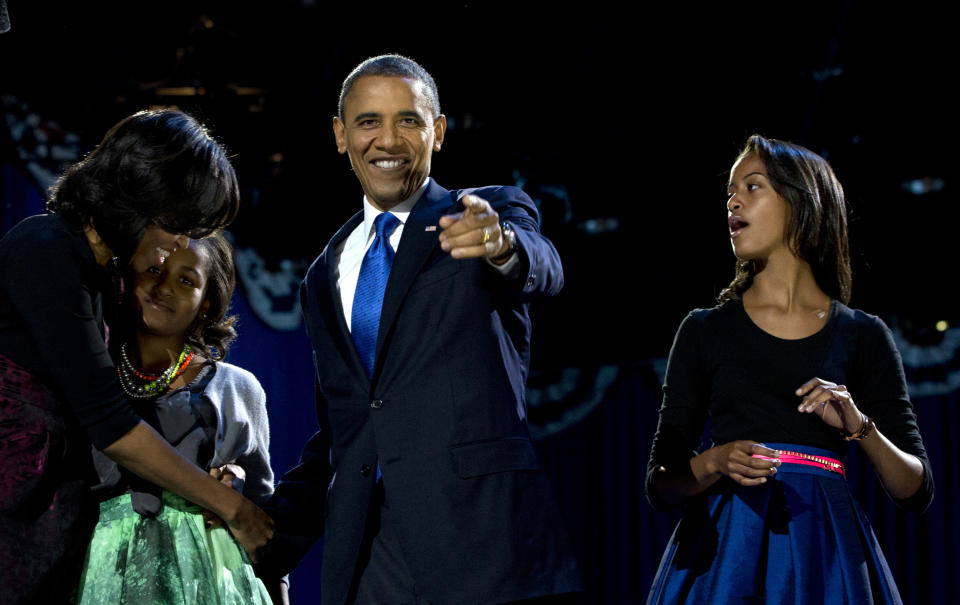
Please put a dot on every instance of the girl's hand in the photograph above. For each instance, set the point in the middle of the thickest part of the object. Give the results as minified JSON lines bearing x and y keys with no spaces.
{"x":228,"y":474}
{"x":832,"y":403}
{"x":736,"y":460}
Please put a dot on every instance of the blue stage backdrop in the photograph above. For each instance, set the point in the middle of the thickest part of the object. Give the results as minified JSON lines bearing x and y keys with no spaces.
{"x":284,"y":364}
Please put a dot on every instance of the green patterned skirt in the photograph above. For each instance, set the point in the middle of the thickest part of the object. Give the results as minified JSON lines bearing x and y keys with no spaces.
{"x":171,"y":559}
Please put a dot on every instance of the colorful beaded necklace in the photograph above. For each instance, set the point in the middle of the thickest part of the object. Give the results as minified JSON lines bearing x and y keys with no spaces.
{"x":141,"y":385}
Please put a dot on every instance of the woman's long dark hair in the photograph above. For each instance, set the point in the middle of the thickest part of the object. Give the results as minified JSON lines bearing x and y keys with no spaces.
{"x":157,"y":167}
{"x":817,"y":230}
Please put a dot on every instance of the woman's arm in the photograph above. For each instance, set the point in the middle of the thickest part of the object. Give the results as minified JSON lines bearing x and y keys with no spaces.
{"x":734,"y":460}
{"x":675,"y":469}
{"x":894,"y":446}
{"x":900,"y":473}
{"x":148,"y":455}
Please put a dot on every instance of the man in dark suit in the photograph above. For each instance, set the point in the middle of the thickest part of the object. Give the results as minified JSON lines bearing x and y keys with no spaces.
{"x":422,"y":478}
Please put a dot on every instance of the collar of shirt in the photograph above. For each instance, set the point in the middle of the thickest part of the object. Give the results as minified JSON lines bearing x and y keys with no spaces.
{"x":351,"y":251}
{"x":401,"y":211}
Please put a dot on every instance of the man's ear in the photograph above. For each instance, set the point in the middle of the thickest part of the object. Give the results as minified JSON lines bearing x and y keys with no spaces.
{"x":439,"y":129}
{"x":339,"y":133}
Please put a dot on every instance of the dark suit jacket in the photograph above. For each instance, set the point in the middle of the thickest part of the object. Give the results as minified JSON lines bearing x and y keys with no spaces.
{"x":443,"y":414}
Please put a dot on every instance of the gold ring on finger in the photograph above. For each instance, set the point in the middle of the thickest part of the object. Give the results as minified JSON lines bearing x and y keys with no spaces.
{"x":486,"y":236}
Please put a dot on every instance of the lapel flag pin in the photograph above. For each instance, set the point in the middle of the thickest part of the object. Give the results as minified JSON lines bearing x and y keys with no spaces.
{"x":431,"y":228}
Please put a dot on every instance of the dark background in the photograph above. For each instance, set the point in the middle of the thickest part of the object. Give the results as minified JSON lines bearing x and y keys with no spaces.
{"x":621,"y":121}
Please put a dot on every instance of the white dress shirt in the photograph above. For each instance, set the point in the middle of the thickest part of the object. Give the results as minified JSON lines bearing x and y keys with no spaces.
{"x":354,"y":248}
{"x":351,"y":252}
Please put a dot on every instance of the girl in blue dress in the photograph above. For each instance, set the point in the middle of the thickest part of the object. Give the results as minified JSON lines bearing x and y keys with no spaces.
{"x":788,"y":375}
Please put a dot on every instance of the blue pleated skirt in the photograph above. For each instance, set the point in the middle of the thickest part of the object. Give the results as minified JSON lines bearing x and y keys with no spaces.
{"x":798,"y":538}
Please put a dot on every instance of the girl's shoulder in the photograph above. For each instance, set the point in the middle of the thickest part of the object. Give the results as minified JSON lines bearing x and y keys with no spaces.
{"x":723,"y":313}
{"x":228,"y":377}
{"x":861,"y":322}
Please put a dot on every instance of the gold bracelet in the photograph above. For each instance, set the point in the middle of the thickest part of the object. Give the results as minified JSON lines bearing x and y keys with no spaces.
{"x":866,"y":427}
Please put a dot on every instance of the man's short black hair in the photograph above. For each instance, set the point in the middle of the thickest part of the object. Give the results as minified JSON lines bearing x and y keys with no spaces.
{"x":391,"y":66}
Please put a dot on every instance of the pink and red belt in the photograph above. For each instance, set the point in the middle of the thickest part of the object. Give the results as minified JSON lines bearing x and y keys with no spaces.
{"x":828,"y":464}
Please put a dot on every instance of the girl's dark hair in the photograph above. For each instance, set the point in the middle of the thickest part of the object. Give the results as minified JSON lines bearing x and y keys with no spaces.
{"x":212,"y":332}
{"x":157,"y":167}
{"x":817,"y":230}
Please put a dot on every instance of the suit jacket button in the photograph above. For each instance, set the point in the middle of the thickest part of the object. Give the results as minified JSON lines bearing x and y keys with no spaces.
{"x":531,"y":280}
{"x":365,"y":470}
{"x":376,"y":404}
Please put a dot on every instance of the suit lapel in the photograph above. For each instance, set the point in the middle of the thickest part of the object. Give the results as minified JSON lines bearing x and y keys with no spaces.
{"x":331,"y":303}
{"x":415,"y":247}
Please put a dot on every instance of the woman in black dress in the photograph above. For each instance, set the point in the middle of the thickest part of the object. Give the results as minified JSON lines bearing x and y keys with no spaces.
{"x":788,"y":375}
{"x":155,"y":180}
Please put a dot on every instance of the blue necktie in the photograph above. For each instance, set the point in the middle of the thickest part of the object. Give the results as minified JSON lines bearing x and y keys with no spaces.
{"x":368,"y":297}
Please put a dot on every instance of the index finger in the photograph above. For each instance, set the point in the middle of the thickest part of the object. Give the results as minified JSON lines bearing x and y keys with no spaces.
{"x":760,"y":450}
{"x":810,"y":385}
{"x":477,"y":214}
{"x":474,"y":204}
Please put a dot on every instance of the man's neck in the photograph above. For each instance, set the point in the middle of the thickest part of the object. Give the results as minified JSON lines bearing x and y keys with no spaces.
{"x":402,"y":206}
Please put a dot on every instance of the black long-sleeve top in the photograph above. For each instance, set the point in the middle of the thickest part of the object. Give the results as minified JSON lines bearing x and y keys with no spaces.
{"x":52,"y":293}
{"x":723,"y":365}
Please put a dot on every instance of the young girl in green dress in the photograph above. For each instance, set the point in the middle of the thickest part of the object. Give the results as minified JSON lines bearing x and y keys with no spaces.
{"x":150,"y":545}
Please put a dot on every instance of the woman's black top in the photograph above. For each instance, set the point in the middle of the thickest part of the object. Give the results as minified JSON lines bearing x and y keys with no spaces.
{"x":723,"y":366}
{"x":52,"y":296}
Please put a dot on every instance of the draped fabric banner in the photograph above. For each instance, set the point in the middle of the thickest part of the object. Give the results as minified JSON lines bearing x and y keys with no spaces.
{"x":283,"y":362}
{"x":598,"y":467}
{"x":20,"y":195}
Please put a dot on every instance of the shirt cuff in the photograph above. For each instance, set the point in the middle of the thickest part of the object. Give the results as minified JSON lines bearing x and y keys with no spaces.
{"x":506,"y":267}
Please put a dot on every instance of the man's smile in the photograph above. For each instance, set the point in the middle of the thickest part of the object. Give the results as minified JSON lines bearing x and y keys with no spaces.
{"x":389,"y":164}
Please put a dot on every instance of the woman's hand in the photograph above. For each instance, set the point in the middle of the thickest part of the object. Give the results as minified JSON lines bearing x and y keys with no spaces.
{"x":737,"y":460}
{"x":901,"y":473}
{"x":833,"y":403}
{"x":251,"y":527}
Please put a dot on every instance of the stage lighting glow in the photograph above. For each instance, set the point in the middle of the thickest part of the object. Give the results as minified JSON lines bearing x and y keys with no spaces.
{"x":923,"y":186}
